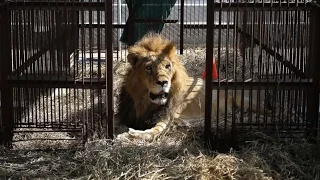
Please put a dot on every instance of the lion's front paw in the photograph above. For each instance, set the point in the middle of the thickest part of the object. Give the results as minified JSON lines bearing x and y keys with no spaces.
{"x":146,"y":135}
{"x":123,"y":136}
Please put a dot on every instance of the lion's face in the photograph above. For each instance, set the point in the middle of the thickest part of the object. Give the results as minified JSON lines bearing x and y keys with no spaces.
{"x":156,"y":76}
{"x":153,"y":61}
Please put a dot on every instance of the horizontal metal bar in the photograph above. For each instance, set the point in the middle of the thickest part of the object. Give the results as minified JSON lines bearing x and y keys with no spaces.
{"x":154,"y":21}
{"x":288,"y":84}
{"x":187,"y":26}
{"x":60,"y":5}
{"x":249,"y":6}
{"x":39,"y":129}
{"x":44,"y":139}
{"x":284,"y":131}
{"x":56,"y":82}
{"x":86,"y":83}
{"x":52,"y":125}
{"x":57,"y":5}
{"x":263,"y":125}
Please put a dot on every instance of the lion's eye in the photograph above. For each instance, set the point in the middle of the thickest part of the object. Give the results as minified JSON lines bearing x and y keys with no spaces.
{"x":148,"y":68}
{"x":168,"y":66}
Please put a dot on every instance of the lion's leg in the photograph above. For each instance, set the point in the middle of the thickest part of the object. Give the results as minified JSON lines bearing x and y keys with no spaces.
{"x":150,"y":134}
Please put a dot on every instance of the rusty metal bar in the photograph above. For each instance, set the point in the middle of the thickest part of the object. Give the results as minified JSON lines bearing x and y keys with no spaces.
{"x":6,"y":66}
{"x":209,"y":63}
{"x":109,"y":68}
{"x":313,"y":71}
{"x":181,"y":25}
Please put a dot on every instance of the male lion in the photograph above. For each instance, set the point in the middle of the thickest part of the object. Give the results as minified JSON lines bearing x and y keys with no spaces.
{"x":157,"y":90}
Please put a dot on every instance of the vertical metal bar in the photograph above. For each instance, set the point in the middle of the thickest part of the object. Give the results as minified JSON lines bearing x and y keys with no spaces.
{"x":82,"y":70}
{"x":314,"y":64}
{"x":234,"y":62}
{"x":25,"y":53}
{"x":2,"y":133}
{"x":6,"y":65}
{"x":119,"y":3}
{"x":219,"y":60}
{"x":189,"y":18}
{"x":243,"y":46}
{"x":181,"y":25}
{"x":109,"y":64}
{"x":227,"y":71}
{"x":306,"y":35}
{"x":253,"y":15}
{"x":36,"y":47}
{"x":91,"y":42}
{"x":33,"y":66}
{"x":16,"y":97}
{"x":123,"y":51}
{"x":260,"y":34}
{"x":209,"y":56}
{"x":130,"y":23}
{"x":66,"y":55}
{"x":99,"y":109}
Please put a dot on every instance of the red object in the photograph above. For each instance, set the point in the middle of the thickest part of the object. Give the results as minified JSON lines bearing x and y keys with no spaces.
{"x":214,"y":71}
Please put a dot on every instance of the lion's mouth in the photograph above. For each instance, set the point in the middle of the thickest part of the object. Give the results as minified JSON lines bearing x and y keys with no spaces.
{"x":161,"y":95}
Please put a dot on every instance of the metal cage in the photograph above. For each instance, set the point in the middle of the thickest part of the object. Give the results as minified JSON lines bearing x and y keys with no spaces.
{"x":57,"y":61}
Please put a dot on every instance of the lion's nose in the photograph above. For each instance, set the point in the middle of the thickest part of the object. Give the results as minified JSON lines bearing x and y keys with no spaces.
{"x":162,"y":83}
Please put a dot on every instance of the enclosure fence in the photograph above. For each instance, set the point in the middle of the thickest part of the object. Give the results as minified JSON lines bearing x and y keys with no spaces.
{"x":60,"y":63}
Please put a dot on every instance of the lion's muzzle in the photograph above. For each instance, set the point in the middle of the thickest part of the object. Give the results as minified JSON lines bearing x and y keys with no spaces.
{"x":160,"y":98}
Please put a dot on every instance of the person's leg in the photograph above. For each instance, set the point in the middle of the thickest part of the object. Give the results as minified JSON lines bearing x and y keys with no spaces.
{"x":147,"y":9}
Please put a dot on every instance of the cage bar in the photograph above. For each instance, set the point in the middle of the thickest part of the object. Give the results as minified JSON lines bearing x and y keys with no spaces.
{"x":313,"y":71}
{"x":6,"y":89}
{"x":209,"y":57}
{"x":109,"y":60}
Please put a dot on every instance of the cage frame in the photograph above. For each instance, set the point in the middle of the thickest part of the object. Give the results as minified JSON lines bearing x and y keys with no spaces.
{"x":311,"y":81}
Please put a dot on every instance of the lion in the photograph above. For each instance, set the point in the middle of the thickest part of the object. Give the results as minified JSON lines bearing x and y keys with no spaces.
{"x":157,"y":90}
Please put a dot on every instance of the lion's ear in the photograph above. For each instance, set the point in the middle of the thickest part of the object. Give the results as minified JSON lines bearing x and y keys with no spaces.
{"x":132,"y":59}
{"x":170,"y":49}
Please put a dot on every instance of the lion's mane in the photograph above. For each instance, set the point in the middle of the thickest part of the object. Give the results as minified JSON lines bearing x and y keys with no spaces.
{"x":135,"y":110}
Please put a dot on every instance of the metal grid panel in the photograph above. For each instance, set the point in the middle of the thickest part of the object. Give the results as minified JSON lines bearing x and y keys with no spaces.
{"x":272,"y":39}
